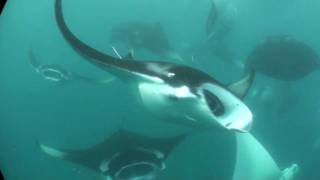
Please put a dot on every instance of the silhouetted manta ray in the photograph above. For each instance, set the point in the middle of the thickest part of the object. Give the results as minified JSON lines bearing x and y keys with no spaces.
{"x":219,"y":25}
{"x":150,"y":36}
{"x":220,"y":19}
{"x":124,"y":155}
{"x":176,"y":91}
{"x":211,"y":20}
{"x":283,"y":58}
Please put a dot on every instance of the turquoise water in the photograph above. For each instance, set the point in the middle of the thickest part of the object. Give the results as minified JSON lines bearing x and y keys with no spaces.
{"x":77,"y":114}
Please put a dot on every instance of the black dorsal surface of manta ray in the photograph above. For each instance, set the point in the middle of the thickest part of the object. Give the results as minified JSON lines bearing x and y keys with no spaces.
{"x":58,"y":74}
{"x":284,"y":58}
{"x":124,"y":155}
{"x":174,"y":91}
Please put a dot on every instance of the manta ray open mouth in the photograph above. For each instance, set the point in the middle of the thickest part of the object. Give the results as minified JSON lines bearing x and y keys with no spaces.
{"x":135,"y":164}
{"x":136,"y":171}
{"x":214,"y":103}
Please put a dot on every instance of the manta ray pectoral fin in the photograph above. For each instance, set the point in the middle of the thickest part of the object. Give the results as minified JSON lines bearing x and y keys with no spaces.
{"x":86,"y":157}
{"x":241,"y":87}
{"x":253,"y":161}
{"x":53,"y":152}
{"x":122,"y":70}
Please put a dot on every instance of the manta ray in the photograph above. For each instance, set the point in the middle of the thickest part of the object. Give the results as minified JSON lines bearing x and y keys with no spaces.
{"x":175,"y":91}
{"x":149,"y":36}
{"x":220,"y":19}
{"x":219,"y":24}
{"x":283,"y":57}
{"x":125,"y":155}
{"x":255,"y":163}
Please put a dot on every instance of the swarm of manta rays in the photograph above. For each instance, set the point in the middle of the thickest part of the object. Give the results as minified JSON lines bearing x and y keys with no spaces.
{"x":198,"y":99}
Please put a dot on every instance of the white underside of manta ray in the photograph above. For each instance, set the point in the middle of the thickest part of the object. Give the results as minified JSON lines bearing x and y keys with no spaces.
{"x":255,"y":163}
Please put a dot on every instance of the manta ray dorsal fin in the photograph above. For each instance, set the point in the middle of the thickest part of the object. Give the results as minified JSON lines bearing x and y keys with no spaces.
{"x":241,"y":87}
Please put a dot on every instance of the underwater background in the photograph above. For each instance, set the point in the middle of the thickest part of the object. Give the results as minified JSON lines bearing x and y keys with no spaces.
{"x":78,"y":114}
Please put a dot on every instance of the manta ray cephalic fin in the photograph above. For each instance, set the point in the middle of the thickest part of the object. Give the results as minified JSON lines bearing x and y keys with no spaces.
{"x":241,"y":87}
